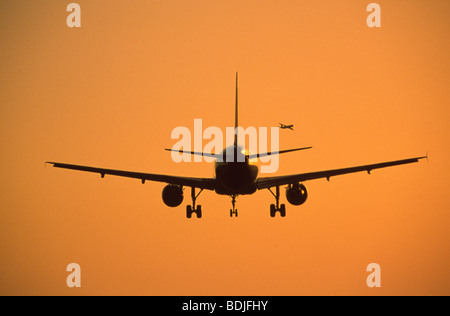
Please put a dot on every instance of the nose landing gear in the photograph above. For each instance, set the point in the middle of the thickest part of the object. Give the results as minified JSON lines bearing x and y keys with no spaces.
{"x":233,"y":211}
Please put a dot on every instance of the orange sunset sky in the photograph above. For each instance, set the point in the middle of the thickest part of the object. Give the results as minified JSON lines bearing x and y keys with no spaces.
{"x":109,"y":94}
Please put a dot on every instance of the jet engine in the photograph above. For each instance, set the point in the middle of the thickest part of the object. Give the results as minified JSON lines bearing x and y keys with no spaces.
{"x":296,"y":194}
{"x":172,"y":195}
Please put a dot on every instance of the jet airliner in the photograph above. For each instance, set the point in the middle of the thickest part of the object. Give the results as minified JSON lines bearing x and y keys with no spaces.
{"x":236,"y":177}
{"x":283,"y":126}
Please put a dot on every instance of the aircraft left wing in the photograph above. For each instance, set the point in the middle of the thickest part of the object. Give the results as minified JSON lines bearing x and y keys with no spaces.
{"x":269,"y":182}
{"x":200,"y":183}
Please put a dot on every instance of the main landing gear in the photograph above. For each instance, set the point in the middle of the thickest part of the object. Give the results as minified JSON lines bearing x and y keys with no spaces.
{"x":233,"y":211}
{"x":197,"y":209}
{"x":192,"y":208}
{"x":274,"y":208}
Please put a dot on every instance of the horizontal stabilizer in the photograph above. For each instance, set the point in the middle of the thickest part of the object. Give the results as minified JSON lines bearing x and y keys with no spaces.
{"x":193,"y":153}
{"x":253,"y":156}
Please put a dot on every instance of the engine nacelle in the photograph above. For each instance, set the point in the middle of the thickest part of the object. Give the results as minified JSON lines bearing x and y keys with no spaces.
{"x":296,"y":194}
{"x":172,"y":195}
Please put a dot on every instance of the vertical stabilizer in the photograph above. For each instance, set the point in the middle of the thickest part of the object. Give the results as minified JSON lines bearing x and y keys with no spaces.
{"x":236,"y":115}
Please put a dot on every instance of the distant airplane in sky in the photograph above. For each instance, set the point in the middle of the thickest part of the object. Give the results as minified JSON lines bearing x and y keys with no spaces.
{"x":236,"y":177}
{"x":282,"y":126}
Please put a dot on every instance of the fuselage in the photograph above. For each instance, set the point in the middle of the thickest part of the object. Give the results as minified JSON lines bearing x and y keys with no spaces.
{"x":235,"y":174}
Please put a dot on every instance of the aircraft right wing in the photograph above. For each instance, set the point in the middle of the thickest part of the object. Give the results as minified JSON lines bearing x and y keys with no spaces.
{"x":269,"y":182}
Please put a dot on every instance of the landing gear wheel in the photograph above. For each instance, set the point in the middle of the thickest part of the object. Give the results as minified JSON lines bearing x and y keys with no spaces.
{"x":199,"y":211}
{"x":189,"y":211}
{"x":233,"y":213}
{"x":283,"y":210}
{"x":273,"y":210}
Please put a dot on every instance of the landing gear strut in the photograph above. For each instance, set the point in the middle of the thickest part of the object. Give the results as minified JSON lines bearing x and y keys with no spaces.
{"x":192,"y":209}
{"x":233,"y":212}
{"x":277,"y":208}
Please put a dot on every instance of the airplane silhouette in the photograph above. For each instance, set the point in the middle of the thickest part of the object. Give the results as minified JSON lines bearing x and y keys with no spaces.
{"x":236,"y":177}
{"x":282,"y":126}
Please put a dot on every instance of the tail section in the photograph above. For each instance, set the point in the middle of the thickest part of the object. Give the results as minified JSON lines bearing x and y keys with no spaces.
{"x":236,"y":134}
{"x":236,"y":137}
{"x":236,"y":113}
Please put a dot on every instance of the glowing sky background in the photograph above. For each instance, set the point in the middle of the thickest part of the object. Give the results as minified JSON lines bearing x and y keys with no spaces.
{"x":110,"y":93}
